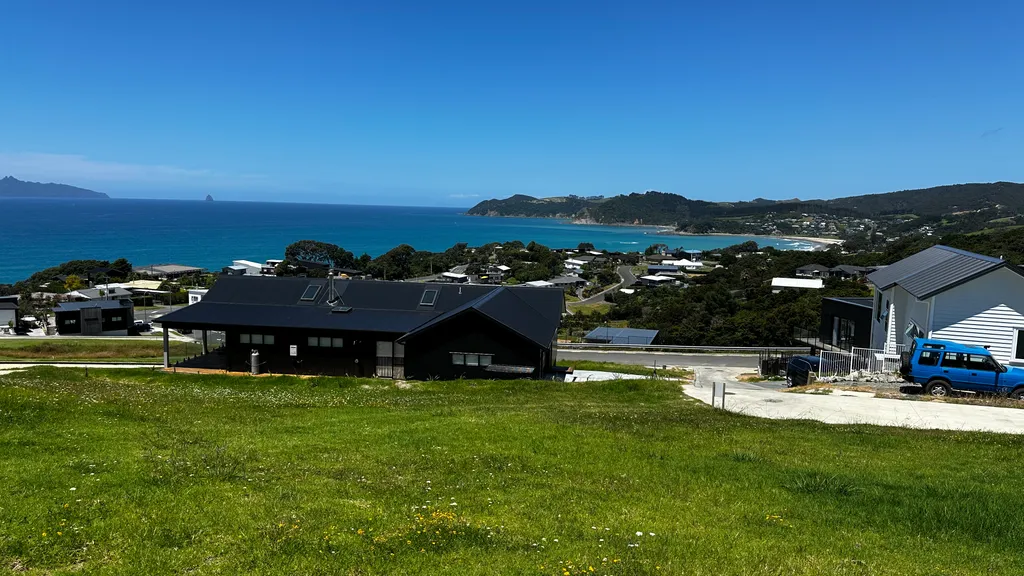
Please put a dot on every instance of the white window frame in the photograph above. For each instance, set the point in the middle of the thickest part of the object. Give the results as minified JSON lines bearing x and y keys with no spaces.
{"x":1013,"y":351}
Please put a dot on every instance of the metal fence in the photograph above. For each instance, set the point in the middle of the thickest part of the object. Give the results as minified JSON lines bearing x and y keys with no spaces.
{"x":861,"y":361}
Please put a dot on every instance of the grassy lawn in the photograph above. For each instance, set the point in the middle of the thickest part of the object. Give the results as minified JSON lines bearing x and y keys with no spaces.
{"x":135,"y":472}
{"x":92,"y":350}
{"x":596,"y":308}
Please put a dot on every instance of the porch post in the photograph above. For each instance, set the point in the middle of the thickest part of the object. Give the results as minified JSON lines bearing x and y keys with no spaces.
{"x":206,"y":346}
{"x":167,"y":355}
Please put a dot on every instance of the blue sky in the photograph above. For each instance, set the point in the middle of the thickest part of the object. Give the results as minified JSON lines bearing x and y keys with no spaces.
{"x":448,"y":103}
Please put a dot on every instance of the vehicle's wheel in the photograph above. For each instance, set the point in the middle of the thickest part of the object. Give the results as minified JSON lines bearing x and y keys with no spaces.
{"x":938,"y":388}
{"x":1017,"y":394}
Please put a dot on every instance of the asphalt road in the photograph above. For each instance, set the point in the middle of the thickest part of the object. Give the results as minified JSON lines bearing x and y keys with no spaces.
{"x":626,"y":278}
{"x":663,"y":358}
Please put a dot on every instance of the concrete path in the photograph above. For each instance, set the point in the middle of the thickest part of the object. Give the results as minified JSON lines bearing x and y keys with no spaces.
{"x":597,"y":376}
{"x":626,"y":278}
{"x":767,"y":401}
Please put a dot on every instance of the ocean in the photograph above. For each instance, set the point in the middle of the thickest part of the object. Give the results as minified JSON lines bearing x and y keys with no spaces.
{"x":36,"y":234}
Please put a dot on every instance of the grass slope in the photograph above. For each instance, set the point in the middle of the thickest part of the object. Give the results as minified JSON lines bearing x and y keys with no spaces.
{"x":92,"y":350}
{"x":131,"y":472}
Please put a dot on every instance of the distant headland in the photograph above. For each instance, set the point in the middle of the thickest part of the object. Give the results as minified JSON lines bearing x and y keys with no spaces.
{"x":11,"y":187}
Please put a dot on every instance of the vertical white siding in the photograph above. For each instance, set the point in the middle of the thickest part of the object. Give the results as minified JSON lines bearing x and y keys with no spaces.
{"x":984,"y":311}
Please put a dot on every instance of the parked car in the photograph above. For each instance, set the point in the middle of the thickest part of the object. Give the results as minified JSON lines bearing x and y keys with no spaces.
{"x":942,"y":366}
{"x":799,"y":369}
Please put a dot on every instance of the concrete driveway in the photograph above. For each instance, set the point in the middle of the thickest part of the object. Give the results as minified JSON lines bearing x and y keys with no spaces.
{"x":768,"y":401}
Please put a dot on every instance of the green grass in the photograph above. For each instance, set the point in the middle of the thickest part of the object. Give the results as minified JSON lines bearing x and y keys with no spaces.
{"x":626,"y":368}
{"x":596,"y":308}
{"x":135,"y":472}
{"x":92,"y":350}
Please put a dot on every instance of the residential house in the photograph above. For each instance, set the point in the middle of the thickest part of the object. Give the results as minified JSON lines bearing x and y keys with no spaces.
{"x":656,"y":269}
{"x":656,"y":280}
{"x":454,"y":278}
{"x":845,"y":322}
{"x":95,"y":317}
{"x":375,"y":328}
{"x":950,"y":294}
{"x":8,"y":315}
{"x":813,"y":271}
{"x":102,"y":292}
{"x":780,"y":284}
{"x":571,"y":282}
{"x":166,"y":271}
{"x":849,"y":272}
{"x":195,"y":295}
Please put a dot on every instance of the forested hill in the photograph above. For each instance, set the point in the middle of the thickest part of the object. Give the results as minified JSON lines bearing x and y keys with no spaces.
{"x":660,"y":208}
{"x":11,"y":187}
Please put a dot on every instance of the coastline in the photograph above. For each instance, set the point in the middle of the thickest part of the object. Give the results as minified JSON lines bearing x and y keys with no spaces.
{"x":822,"y":243}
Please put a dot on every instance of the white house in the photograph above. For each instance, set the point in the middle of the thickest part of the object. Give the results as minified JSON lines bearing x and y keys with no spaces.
{"x":950,"y":294}
{"x":195,"y":295}
{"x":684,"y":263}
{"x":780,"y":284}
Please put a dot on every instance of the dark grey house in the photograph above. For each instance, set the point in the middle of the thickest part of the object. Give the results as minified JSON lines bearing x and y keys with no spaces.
{"x":813,"y":271}
{"x":95,"y":317}
{"x":375,"y":328}
{"x":845,"y":322}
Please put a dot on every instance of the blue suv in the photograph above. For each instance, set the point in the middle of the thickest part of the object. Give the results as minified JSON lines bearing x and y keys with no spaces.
{"x":942,"y":366}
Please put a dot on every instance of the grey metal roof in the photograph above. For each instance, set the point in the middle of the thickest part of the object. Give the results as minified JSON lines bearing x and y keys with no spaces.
{"x":622,"y":335}
{"x":8,"y":306}
{"x":936,"y":270}
{"x":101,"y":304}
{"x":814,"y":267}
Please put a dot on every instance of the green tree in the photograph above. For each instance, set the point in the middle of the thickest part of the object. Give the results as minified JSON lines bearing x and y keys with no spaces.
{"x":120,"y":269}
{"x":322,"y":252}
{"x":585,"y":247}
{"x":73,"y":282}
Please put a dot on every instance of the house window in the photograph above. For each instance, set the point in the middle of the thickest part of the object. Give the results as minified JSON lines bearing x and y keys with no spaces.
{"x":116,"y":318}
{"x":313,"y":341}
{"x":1018,"y":344}
{"x":243,"y":338}
{"x":71,"y":321}
{"x":337,"y":342}
{"x":325,"y":341}
{"x":268,"y":339}
{"x":257,"y":338}
{"x":466,"y":359}
{"x":878,"y":306}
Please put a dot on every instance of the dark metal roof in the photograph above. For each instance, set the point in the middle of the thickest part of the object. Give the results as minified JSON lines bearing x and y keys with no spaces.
{"x":375,"y":306}
{"x":533,"y":313}
{"x":936,"y":270}
{"x":8,"y":306}
{"x":622,"y":335}
{"x":814,"y":267}
{"x":851,"y":269}
{"x":101,"y":304}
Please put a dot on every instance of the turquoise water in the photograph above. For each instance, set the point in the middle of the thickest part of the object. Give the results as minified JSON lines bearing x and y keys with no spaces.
{"x":36,"y":234}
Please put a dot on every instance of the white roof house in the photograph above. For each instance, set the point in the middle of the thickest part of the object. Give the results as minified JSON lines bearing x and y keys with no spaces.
{"x":539,"y":284}
{"x":652,"y":280}
{"x":950,"y":294}
{"x":797,"y":284}
{"x":575,"y":262}
{"x":503,"y":268}
{"x":249,"y":267}
{"x":684,"y":263}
